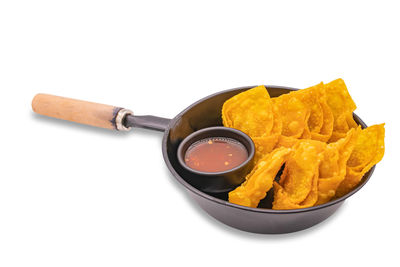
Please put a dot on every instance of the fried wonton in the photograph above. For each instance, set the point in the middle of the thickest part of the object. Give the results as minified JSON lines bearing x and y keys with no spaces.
{"x":305,"y":111}
{"x":325,"y":132}
{"x":342,"y":106}
{"x":332,"y":169}
{"x":312,"y":97}
{"x":250,"y":111}
{"x":367,"y":152}
{"x":298,"y":187}
{"x":259,"y":180}
{"x":293,"y":112}
{"x":265,"y":144}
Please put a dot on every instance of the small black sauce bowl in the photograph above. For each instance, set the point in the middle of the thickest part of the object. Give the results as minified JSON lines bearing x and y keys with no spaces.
{"x":217,"y":182}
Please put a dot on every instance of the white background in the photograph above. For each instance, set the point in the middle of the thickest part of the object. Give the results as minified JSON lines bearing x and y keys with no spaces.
{"x":74,"y":195}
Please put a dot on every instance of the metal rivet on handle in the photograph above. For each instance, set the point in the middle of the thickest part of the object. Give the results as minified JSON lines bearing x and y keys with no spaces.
{"x":120,"y":118}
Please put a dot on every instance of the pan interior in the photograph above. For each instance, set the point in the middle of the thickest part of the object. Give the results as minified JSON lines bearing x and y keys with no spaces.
{"x":207,"y":113}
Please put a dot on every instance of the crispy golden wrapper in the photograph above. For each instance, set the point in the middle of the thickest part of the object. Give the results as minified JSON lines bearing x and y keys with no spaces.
{"x":332,"y":169}
{"x":259,"y":180}
{"x":326,"y":130}
{"x":368,"y":151}
{"x":265,"y":144}
{"x":313,"y":98}
{"x":298,"y":186}
{"x":294,"y":114}
{"x":288,"y":142}
{"x":282,"y":200}
{"x":342,"y":106}
{"x":250,"y":111}
{"x":301,"y":166}
{"x":310,"y":113}
{"x":368,"y":143}
{"x":336,"y":136}
{"x":238,"y":110}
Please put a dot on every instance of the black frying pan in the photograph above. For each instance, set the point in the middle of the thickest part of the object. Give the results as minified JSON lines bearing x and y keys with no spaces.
{"x":204,"y":113}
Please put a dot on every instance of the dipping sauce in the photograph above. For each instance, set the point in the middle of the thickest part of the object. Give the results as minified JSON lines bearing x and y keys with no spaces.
{"x":215,"y":154}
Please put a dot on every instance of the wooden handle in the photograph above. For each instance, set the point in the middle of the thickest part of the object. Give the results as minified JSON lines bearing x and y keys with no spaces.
{"x":98,"y":115}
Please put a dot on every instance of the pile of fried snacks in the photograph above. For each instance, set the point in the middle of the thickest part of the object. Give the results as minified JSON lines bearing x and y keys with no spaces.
{"x":312,"y":133}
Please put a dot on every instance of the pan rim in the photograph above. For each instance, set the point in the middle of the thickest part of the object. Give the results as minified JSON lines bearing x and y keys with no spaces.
{"x":235,"y":206}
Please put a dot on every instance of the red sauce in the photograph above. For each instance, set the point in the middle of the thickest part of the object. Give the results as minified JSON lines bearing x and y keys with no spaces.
{"x":215,"y":154}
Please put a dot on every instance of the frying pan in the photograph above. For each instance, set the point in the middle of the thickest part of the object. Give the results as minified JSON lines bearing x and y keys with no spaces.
{"x":203,"y":113}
